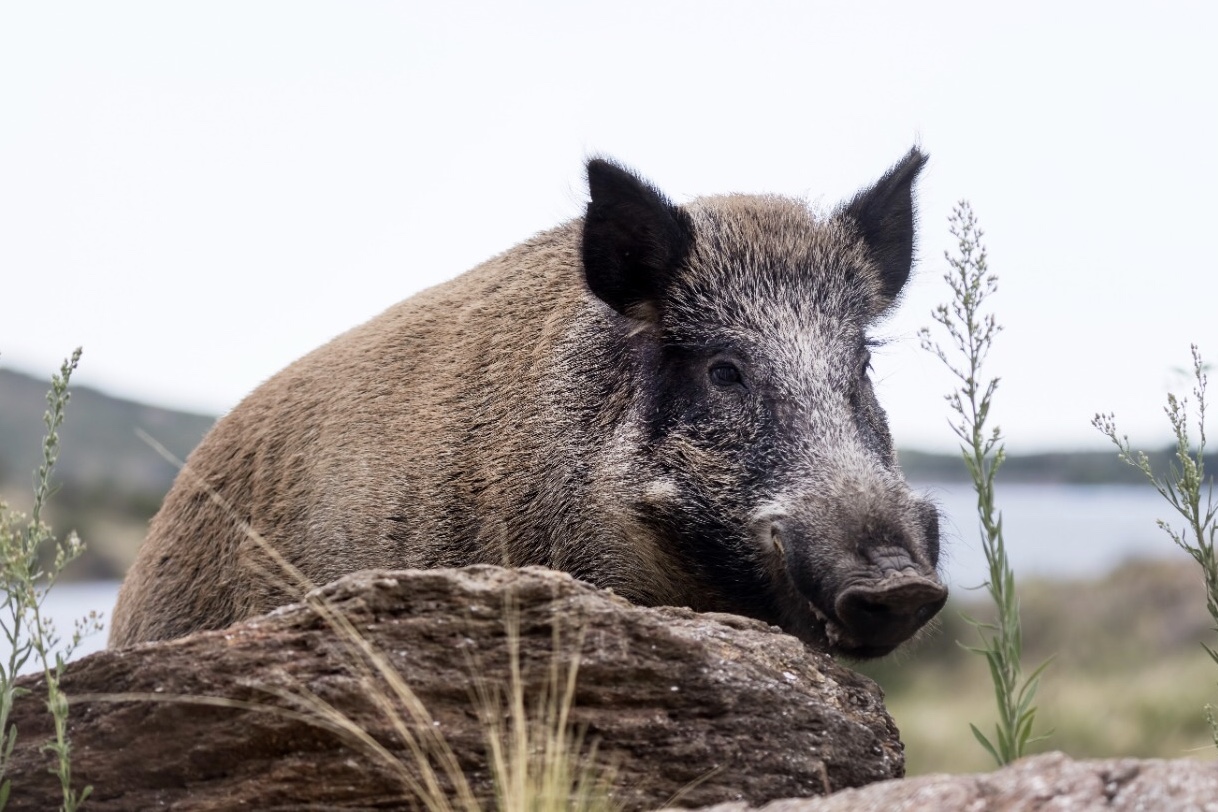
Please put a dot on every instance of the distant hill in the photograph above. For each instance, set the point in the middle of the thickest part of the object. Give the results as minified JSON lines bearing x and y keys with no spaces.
{"x":98,"y":437}
{"x":112,"y":482}
{"x":1057,"y":468}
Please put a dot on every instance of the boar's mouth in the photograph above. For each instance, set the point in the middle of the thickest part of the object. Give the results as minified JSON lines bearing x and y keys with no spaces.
{"x":869,"y":615}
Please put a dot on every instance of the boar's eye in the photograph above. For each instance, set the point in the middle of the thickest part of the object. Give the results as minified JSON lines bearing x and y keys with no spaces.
{"x":725,"y":373}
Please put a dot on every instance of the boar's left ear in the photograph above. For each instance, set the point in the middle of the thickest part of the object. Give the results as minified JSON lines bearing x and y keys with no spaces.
{"x":634,"y":239}
{"x":884,"y":215}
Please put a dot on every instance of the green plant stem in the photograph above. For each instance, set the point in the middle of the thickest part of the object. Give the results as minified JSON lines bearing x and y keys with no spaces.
{"x":27,"y":581}
{"x":972,"y":334}
{"x":1183,"y":486}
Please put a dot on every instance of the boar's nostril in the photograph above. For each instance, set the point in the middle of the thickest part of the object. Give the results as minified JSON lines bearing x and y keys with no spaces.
{"x":888,"y":612}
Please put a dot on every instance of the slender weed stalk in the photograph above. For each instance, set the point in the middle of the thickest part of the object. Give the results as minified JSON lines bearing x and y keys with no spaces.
{"x":26,"y":545}
{"x":539,"y":760}
{"x":972,"y":332}
{"x":1183,"y":486}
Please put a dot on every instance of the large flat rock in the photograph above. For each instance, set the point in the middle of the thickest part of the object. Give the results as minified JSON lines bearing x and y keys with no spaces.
{"x":702,"y":709}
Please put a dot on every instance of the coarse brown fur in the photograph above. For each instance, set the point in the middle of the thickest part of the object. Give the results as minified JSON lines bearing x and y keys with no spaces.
{"x":494,"y":419}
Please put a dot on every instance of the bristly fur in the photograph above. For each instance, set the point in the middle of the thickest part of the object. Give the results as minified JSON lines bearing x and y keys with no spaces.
{"x":670,"y":401}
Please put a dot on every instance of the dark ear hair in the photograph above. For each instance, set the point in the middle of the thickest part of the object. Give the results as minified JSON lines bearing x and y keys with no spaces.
{"x":634,"y":238}
{"x":884,"y":215}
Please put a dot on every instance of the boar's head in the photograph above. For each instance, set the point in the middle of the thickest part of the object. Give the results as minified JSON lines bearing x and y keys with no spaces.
{"x":763,"y":458}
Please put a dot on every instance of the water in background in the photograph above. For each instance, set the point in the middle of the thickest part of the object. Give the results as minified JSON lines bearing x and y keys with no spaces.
{"x":1067,"y":531}
{"x":1063,"y":531}
{"x":68,"y":603}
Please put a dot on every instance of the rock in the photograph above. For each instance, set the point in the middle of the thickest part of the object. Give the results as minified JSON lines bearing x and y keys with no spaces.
{"x":1052,"y":782}
{"x":697,"y":708}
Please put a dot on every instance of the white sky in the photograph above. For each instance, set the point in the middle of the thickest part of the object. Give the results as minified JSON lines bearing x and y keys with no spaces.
{"x":199,"y":193}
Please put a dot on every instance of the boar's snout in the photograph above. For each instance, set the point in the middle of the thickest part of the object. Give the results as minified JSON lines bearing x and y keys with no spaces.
{"x":879,"y":616}
{"x":863,"y":593}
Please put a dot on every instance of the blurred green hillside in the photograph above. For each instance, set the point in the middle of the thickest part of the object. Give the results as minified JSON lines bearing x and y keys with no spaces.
{"x":110,"y":481}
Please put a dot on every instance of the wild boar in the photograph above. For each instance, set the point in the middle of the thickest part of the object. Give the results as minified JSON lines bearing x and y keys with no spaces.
{"x":672,"y":401}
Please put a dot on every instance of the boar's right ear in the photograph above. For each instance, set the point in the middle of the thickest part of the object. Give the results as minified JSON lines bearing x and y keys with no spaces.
{"x":884,"y":215}
{"x":634,"y":239}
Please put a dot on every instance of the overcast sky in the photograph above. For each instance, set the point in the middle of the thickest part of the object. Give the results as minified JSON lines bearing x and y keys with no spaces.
{"x":199,"y":193}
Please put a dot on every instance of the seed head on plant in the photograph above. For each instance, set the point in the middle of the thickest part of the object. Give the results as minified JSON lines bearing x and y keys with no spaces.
{"x":1183,"y":486}
{"x":971,"y":332}
{"x":27,"y":632}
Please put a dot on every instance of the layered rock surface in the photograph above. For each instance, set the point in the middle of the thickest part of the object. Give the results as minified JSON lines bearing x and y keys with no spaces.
{"x":698,"y":708}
